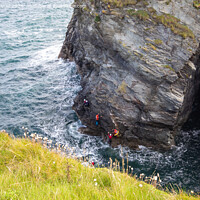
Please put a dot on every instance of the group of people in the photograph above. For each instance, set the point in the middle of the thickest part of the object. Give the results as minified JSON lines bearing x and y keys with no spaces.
{"x":114,"y":133}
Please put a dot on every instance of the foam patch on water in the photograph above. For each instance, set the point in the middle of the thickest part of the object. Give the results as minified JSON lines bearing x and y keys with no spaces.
{"x":44,"y":56}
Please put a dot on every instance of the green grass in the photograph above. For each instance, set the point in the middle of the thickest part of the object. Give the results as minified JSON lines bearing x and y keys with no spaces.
{"x":29,"y":171}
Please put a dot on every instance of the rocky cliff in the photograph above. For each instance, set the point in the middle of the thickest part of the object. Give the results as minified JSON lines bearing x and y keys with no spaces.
{"x":139,"y":63}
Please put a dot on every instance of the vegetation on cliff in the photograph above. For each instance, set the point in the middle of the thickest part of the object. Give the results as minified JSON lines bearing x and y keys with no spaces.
{"x":196,"y":4}
{"x":167,"y":20}
{"x":121,"y":3}
{"x":29,"y":171}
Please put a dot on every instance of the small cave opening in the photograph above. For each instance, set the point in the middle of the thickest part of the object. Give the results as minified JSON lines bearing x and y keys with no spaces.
{"x":193,"y":122}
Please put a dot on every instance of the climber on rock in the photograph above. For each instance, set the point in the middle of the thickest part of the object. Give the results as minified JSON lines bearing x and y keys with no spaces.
{"x":110,"y":138}
{"x":116,"y":133}
{"x":97,"y":119}
{"x":86,"y":103}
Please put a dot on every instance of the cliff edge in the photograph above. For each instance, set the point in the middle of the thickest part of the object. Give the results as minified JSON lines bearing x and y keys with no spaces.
{"x":139,"y":64}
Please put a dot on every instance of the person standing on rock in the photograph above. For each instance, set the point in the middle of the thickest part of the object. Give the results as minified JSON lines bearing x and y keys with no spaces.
{"x":97,"y":119}
{"x":110,"y":138}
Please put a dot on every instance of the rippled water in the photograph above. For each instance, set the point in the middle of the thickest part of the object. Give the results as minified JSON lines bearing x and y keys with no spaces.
{"x":37,"y":91}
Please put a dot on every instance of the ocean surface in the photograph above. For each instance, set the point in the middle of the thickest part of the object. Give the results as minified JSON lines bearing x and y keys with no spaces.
{"x":37,"y":91}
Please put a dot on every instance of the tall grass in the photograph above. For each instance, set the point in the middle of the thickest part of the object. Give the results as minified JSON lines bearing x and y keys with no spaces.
{"x":30,"y":171}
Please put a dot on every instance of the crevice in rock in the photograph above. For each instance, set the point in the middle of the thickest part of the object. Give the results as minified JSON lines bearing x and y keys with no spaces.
{"x":193,"y":122}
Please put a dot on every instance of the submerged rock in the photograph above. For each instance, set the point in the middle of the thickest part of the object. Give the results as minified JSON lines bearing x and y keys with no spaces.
{"x":139,"y":67}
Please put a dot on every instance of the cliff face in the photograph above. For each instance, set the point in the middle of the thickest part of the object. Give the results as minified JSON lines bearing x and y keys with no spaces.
{"x":139,"y":66}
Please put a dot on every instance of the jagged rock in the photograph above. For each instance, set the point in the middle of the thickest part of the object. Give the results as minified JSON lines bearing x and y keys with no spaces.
{"x":138,"y":70}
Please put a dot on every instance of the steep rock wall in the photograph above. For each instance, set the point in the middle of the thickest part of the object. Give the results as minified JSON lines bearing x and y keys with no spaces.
{"x":139,"y":67}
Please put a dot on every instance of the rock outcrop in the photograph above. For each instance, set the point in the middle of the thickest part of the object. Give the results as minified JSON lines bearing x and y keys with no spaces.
{"x":139,"y":66}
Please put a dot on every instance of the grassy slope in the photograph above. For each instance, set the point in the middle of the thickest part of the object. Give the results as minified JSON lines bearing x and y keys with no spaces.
{"x":28,"y":171}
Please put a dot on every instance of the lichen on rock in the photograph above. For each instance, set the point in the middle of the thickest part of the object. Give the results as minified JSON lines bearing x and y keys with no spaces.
{"x":140,"y":73}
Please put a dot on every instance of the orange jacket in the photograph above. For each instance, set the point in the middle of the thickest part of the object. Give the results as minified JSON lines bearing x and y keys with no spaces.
{"x":97,"y":117}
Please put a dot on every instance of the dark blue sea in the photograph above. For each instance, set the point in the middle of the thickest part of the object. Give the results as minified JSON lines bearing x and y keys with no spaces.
{"x":37,"y":91}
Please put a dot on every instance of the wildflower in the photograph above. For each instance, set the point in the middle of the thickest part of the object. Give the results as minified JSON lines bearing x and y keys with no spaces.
{"x":140,"y":185}
{"x":95,"y":184}
{"x":32,"y":135}
{"x":54,"y":162}
{"x":155,"y":178}
{"x":192,"y":191}
{"x":95,"y":179}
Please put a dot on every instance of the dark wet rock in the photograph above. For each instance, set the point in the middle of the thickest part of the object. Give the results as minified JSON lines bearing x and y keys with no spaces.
{"x":70,"y":117}
{"x":140,"y":75}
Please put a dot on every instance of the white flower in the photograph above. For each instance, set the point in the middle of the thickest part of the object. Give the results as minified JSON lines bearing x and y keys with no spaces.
{"x":140,"y":185}
{"x":192,"y":191}
{"x":54,"y":162}
{"x":95,"y":183}
{"x":95,"y":179}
